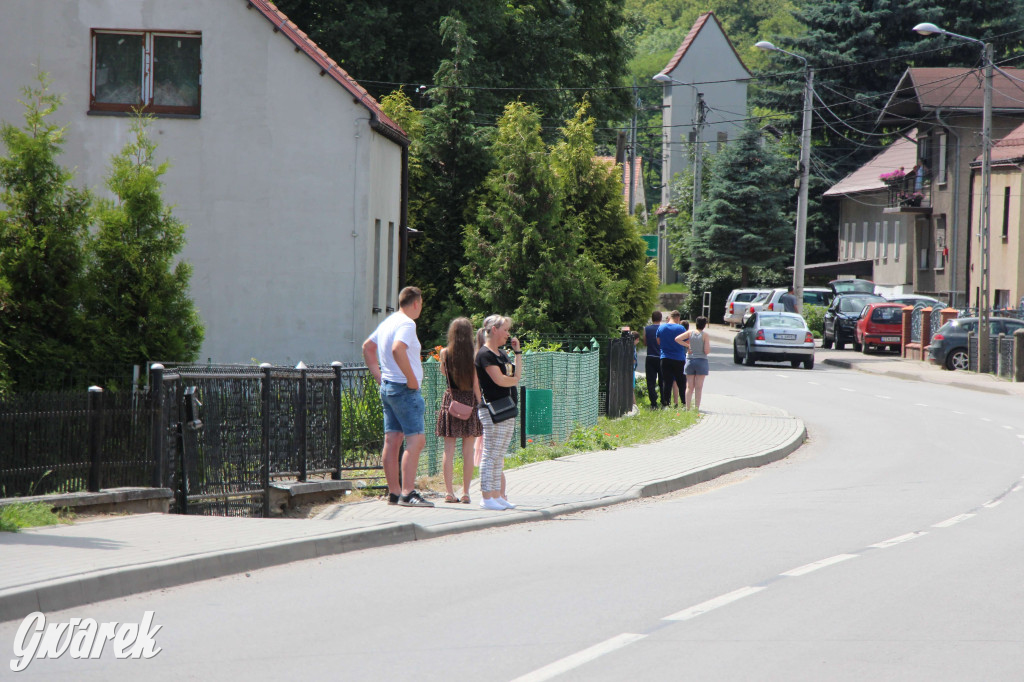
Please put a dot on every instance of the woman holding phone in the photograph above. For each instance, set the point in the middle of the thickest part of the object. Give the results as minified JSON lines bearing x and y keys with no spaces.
{"x":498,"y":376}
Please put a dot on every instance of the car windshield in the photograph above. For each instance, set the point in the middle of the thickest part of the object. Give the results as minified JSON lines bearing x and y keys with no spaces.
{"x":854,"y":304}
{"x":746,"y":296}
{"x":781,"y":322}
{"x":887,"y":315}
{"x":962,"y":326}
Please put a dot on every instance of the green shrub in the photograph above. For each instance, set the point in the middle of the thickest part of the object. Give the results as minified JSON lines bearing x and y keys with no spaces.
{"x":815,"y":317}
{"x":14,"y":517}
{"x":640,"y":390}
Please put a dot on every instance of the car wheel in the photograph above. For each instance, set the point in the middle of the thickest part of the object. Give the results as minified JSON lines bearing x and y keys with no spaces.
{"x":957,"y":359}
{"x":795,"y":363}
{"x":826,"y":342}
{"x":809,"y":363}
{"x":840,"y":345}
{"x":864,"y":348}
{"x":748,"y":357}
{"x":860,"y":346}
{"x":736,"y":354}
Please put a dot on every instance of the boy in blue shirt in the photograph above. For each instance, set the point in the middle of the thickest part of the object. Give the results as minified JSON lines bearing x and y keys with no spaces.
{"x":673,"y":359}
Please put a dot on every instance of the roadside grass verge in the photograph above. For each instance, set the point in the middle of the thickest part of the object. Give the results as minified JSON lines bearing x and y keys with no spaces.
{"x":14,"y":517}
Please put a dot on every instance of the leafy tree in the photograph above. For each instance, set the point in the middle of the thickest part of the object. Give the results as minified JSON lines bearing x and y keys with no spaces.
{"x":42,"y":228}
{"x":139,"y":305}
{"x":741,"y":221}
{"x":522,"y":258}
{"x":592,"y":199}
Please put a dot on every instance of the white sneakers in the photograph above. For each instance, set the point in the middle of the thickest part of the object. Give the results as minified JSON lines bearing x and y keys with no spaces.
{"x":496,"y":504}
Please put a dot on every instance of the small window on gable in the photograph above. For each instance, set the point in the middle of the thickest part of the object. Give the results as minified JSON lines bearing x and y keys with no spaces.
{"x":157,"y":72}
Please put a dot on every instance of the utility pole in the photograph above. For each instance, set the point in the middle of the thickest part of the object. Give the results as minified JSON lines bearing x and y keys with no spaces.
{"x":632,"y":149}
{"x":698,"y":163}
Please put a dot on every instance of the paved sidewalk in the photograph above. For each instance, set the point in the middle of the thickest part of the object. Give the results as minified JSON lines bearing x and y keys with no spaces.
{"x":54,"y":568}
{"x":891,"y":364}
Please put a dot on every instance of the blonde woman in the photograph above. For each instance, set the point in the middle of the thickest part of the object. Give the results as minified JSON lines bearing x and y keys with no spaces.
{"x":498,"y":377}
{"x":457,"y":366}
{"x":696,"y":368}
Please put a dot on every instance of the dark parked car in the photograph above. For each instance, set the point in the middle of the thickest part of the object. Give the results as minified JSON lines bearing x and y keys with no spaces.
{"x":949,"y":344}
{"x":880,"y":325}
{"x":774,"y":337}
{"x":841,"y":318}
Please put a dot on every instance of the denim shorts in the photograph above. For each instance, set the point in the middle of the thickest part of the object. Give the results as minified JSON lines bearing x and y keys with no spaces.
{"x":695,"y":366}
{"x":403,"y":408}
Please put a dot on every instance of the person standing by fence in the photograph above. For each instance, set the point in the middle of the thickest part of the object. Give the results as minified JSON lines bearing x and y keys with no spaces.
{"x":673,"y":360}
{"x":496,"y":383}
{"x":696,"y":368}
{"x":457,"y":366}
{"x":392,"y":354}
{"x":652,"y":365}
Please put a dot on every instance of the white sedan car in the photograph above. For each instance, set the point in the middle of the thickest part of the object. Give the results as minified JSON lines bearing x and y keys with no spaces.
{"x":774,"y":337}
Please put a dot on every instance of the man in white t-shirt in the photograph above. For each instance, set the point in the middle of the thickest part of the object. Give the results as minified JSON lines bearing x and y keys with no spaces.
{"x":392,"y":354}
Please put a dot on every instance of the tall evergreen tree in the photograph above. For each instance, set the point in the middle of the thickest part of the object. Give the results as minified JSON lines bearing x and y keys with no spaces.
{"x":592,"y":197}
{"x":43,"y":224}
{"x":139,"y":305}
{"x":522,"y":258}
{"x":742,"y":221}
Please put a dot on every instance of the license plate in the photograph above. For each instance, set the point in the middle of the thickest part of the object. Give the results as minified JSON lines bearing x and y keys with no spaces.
{"x":890,"y":339}
{"x":786,"y":337}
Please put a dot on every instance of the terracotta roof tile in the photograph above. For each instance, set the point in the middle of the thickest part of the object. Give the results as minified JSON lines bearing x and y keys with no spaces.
{"x":900,"y":154}
{"x":1008,"y":149}
{"x":327,"y":65}
{"x":692,"y":35}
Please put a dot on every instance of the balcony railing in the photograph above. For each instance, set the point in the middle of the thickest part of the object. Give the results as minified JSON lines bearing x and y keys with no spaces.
{"x":912,"y":191}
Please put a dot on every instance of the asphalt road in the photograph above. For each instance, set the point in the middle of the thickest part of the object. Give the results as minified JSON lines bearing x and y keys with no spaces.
{"x":888,"y":548}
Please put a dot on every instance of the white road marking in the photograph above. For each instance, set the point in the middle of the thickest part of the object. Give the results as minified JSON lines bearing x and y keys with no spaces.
{"x":921,"y":404}
{"x":953,"y":521}
{"x":808,"y":568}
{"x":784,"y":376}
{"x":848,"y":389}
{"x":899,"y":539}
{"x":883,"y":397}
{"x":815,"y":383}
{"x":712,"y":604}
{"x":1007,"y":426}
{"x":984,"y":419}
{"x":993,"y":503}
{"x":576,"y":660}
{"x":958,"y":412}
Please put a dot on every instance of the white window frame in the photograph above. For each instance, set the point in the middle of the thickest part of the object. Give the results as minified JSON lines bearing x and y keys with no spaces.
{"x":885,"y":239}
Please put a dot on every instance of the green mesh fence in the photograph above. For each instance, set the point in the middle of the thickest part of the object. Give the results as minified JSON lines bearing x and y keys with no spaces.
{"x":572,"y":377}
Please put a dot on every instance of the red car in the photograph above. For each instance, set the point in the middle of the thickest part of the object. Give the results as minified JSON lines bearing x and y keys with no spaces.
{"x":880,"y":324}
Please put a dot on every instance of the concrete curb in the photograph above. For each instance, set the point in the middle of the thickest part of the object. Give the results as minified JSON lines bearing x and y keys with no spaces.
{"x":896,"y":374}
{"x":123,"y":581}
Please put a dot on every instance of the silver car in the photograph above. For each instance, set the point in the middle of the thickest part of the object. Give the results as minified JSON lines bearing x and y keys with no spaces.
{"x":774,"y":337}
{"x":737,"y":304}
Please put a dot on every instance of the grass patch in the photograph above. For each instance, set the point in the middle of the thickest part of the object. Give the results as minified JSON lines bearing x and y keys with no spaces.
{"x":14,"y":517}
{"x":677,"y":288}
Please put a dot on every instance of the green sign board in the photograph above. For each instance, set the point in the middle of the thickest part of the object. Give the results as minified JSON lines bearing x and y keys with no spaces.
{"x":652,"y":245}
{"x":539,"y":411}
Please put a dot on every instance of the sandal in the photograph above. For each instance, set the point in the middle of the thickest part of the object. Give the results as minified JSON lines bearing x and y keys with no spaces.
{"x":451,"y":499}
{"x":465,"y":499}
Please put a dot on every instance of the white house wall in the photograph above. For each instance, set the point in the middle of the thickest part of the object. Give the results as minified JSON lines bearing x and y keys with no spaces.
{"x":279,"y":181}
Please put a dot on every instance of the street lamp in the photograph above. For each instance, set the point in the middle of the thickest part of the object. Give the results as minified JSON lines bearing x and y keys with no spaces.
{"x":927,"y":29}
{"x":698,"y":164}
{"x":800,"y":247}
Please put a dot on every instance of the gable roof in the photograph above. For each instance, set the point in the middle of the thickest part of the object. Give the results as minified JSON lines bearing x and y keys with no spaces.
{"x":900,"y":154}
{"x":952,"y":89}
{"x":379,"y":121}
{"x":698,"y":25}
{"x":1007,"y":151}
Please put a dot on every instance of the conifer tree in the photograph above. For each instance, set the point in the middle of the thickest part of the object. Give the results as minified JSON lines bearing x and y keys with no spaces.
{"x":139,"y":305}
{"x":742,"y":220}
{"x":592,"y":197}
{"x":43,"y":224}
{"x":522,"y":258}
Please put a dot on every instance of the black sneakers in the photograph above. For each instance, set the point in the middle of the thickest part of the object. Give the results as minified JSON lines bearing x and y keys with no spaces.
{"x":392,"y":498}
{"x":413,"y":499}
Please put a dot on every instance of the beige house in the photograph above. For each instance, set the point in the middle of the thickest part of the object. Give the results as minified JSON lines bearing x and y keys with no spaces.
{"x":874,"y":244}
{"x":286,"y":171}
{"x":1006,"y":229}
{"x":945,"y":105}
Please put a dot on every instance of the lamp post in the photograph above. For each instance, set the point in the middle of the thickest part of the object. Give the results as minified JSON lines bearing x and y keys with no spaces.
{"x":698,"y":164}
{"x":927,"y":29}
{"x":800,"y":245}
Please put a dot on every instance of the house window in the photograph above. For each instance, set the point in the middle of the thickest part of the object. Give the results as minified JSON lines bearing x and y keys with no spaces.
{"x":376,"y":266}
{"x":1002,"y":299}
{"x":940,"y":242}
{"x":844,"y":242}
{"x":1006,"y":213}
{"x":940,"y":160}
{"x":391,"y":267}
{"x":924,"y":238}
{"x":896,"y":240}
{"x":885,"y":239}
{"x":864,"y":241}
{"x":158,"y":72}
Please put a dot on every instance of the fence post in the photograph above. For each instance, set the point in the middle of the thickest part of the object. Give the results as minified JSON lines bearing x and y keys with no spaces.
{"x":926,"y":331}
{"x":158,"y":444}
{"x":999,"y":354}
{"x":522,"y":422}
{"x":95,"y":434}
{"x":905,"y":329}
{"x":1018,"y":355}
{"x":300,"y":420}
{"x":265,"y":445}
{"x":182,"y":491}
{"x":336,"y":421}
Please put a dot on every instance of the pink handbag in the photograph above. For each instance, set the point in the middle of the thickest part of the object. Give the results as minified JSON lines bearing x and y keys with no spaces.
{"x":460,"y":410}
